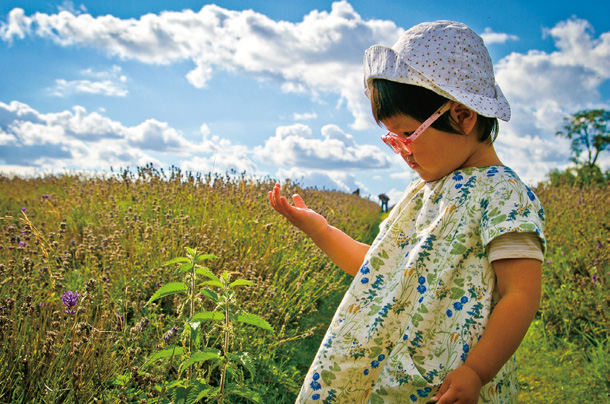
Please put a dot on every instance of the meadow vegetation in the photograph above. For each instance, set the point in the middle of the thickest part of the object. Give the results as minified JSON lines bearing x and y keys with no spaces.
{"x":82,"y":261}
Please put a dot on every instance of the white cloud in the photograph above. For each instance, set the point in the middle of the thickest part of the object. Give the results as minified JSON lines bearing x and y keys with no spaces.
{"x":491,"y":37}
{"x":295,"y":146}
{"x":82,"y":140}
{"x":109,"y":82}
{"x":67,"y":5}
{"x":331,"y":180}
{"x":543,"y":88}
{"x":305,"y":116}
{"x":322,"y":53}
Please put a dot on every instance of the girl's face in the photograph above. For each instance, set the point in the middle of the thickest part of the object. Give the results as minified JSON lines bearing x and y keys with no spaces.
{"x":438,"y":153}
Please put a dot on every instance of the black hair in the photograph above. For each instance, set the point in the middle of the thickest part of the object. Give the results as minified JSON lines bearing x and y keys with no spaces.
{"x":390,"y":98}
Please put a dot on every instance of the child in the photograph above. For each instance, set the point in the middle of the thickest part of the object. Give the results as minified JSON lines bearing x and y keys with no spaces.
{"x":443,"y":297}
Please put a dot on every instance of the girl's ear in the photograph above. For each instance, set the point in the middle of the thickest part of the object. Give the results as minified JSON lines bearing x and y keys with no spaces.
{"x":463,"y":117}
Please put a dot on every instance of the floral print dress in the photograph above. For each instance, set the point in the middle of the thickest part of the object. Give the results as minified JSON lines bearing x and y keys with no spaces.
{"x":424,"y":293}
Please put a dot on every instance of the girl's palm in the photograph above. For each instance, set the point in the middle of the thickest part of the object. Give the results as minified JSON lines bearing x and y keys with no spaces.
{"x":309,"y":221}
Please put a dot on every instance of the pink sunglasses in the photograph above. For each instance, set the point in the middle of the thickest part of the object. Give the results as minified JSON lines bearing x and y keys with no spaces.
{"x":399,"y":145}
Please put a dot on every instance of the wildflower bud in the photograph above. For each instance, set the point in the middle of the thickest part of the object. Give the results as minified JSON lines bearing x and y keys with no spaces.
{"x":69,"y":299}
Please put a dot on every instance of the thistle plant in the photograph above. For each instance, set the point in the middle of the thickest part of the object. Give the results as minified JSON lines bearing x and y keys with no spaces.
{"x":204,"y":371}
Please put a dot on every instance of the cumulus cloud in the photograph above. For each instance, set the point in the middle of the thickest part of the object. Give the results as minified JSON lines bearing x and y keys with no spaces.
{"x":333,"y":180}
{"x":305,"y":116}
{"x":491,"y":37}
{"x":322,"y":53}
{"x":295,"y":146}
{"x":87,"y":140}
{"x":543,"y":88}
{"x":110,"y":83}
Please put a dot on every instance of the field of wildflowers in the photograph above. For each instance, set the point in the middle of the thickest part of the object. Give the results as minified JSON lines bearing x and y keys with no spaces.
{"x":80,"y":259}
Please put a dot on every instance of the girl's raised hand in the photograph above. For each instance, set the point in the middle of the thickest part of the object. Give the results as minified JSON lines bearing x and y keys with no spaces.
{"x":310,"y":222}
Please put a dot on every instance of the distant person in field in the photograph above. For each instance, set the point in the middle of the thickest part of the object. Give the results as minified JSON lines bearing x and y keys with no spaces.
{"x":443,"y":297}
{"x":384,"y":199}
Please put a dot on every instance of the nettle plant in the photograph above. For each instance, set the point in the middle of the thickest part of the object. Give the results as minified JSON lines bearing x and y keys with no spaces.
{"x":205,"y":372}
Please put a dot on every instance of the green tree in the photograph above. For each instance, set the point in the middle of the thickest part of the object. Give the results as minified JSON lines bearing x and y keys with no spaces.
{"x":588,"y":131}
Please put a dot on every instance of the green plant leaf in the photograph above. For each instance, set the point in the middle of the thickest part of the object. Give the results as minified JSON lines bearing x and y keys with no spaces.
{"x":241,"y":282}
{"x":199,"y":391}
{"x":210,"y":294}
{"x":253,"y":319}
{"x":168,"y":289}
{"x":166,"y":353}
{"x":191,"y":252}
{"x":244,"y":392}
{"x":212,"y":283}
{"x":119,"y":380}
{"x":205,"y":257}
{"x":176,"y":261}
{"x":180,"y":395}
{"x":185,"y":267}
{"x":244,"y":359}
{"x":200,"y":356}
{"x":208,"y":315}
{"x":206,"y":272}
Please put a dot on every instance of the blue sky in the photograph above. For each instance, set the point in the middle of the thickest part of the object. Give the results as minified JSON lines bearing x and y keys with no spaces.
{"x":270,"y":88}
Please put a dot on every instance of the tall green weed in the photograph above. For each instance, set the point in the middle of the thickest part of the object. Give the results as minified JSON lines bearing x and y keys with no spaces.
{"x":575,"y":302}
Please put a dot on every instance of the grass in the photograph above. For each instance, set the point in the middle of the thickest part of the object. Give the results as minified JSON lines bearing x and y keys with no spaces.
{"x":553,"y":370}
{"x":108,"y":239}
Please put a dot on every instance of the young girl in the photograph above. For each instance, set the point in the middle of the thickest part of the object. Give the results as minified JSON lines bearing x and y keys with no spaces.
{"x":443,"y":297}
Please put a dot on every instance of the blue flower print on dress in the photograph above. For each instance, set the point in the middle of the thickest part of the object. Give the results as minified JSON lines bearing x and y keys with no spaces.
{"x":330,"y":398}
{"x":457,"y":176}
{"x":465,"y":348}
{"x":530,"y":194}
{"x":421,"y":288}
{"x":492,"y":171}
{"x":315,"y":397}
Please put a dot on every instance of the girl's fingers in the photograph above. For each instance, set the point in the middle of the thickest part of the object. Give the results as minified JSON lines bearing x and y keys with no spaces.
{"x":298,"y":201}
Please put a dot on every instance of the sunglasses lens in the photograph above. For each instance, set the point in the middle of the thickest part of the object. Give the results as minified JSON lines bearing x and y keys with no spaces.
{"x":391,"y":144}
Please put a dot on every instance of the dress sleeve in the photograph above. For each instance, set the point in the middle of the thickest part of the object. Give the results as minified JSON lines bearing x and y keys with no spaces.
{"x":512,"y":207}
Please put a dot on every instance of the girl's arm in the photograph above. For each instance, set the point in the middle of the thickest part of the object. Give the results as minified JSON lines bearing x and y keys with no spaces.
{"x":347,"y":253}
{"x":519,"y":284}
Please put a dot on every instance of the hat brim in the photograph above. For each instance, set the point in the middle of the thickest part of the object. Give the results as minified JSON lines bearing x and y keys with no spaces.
{"x":382,"y":62}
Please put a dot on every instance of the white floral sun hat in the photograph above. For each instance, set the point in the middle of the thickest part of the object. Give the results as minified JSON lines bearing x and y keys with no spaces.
{"x":446,"y":57}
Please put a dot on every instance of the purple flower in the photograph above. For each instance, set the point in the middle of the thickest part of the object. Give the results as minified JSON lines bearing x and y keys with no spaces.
{"x":45,"y":197}
{"x":23,"y":209}
{"x":599,"y":246}
{"x":69,"y":299}
{"x":170,"y":334}
{"x":594,"y":279}
{"x":143,"y":323}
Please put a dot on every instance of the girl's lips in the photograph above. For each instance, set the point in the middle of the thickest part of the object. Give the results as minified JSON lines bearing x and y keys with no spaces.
{"x":410,"y":162}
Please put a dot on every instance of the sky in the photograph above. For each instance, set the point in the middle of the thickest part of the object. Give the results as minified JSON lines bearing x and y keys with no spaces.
{"x":269,"y":88}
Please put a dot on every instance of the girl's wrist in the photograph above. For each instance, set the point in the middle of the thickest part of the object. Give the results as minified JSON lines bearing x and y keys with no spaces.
{"x":477,"y":374}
